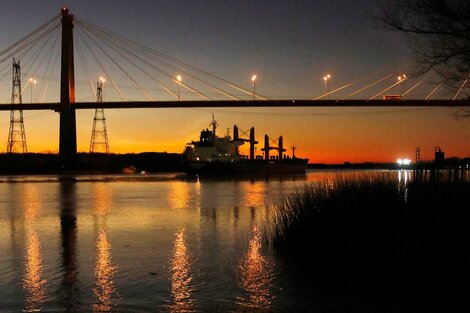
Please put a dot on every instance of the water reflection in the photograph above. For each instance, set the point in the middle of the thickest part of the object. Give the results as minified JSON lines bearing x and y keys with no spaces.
{"x":236,"y":215}
{"x":102,"y":201}
{"x":181,"y":279}
{"x":255,"y":194}
{"x":255,"y":274}
{"x":14,"y":207}
{"x":33,"y":282}
{"x":403,"y":178}
{"x":179,"y":195}
{"x":105,"y":269}
{"x":104,"y":274}
{"x":68,"y":238}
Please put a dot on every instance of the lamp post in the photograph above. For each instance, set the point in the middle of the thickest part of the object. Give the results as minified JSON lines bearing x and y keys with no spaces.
{"x":401,"y":78}
{"x":102,"y":80}
{"x":253,"y":79}
{"x":33,"y":82}
{"x":326,"y":79}
{"x":178,"y":78}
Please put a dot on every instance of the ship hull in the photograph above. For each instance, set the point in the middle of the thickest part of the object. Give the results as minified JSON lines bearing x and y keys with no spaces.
{"x":257,"y":167}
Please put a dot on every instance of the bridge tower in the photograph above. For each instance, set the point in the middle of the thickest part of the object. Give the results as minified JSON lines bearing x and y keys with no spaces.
{"x":68,"y":133}
{"x":99,"y":135}
{"x":16,"y":135}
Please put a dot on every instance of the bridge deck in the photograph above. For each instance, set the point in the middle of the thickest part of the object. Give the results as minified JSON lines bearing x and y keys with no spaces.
{"x":241,"y":104}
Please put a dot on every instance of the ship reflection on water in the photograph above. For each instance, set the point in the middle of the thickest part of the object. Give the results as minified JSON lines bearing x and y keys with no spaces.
{"x":181,"y":279}
{"x":256,"y":275}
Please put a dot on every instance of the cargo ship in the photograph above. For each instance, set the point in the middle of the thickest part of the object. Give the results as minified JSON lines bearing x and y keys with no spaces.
{"x":213,"y":155}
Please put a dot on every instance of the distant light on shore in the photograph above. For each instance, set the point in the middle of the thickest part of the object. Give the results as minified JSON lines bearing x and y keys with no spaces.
{"x":403,"y":162}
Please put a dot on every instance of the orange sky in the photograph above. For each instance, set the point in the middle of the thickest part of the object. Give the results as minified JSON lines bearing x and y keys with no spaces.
{"x":332,"y":135}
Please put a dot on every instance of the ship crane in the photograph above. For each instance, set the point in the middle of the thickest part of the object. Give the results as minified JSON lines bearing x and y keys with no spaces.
{"x":214,"y":125}
{"x":267,"y":148}
{"x":293,"y":151}
{"x":252,"y":140}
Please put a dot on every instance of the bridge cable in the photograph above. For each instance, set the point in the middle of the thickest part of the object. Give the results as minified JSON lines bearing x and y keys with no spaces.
{"x":368,"y":86}
{"x":145,"y":72}
{"x":433,"y":92}
{"x":161,"y":84}
{"x":411,"y":89}
{"x":46,"y":54}
{"x":460,"y":89}
{"x":29,"y":36}
{"x":27,"y":48}
{"x":35,"y":57}
{"x":155,"y":53}
{"x":373,"y":73}
{"x":119,"y":66}
{"x":387,"y":89}
{"x":158,"y":69}
{"x":166,"y":64}
{"x":85,"y":69}
{"x":47,"y":77}
{"x":102,"y":68}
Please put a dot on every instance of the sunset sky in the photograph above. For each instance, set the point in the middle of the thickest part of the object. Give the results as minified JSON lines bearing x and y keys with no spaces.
{"x":289,"y":45}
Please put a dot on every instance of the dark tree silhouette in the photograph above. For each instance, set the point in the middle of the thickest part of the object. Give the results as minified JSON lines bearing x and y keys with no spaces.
{"x":438,"y":33}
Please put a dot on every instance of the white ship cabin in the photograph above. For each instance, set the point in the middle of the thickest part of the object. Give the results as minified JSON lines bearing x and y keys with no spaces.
{"x":211,"y":148}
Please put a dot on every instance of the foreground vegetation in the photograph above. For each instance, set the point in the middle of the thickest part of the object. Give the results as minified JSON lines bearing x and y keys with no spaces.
{"x":405,"y":248}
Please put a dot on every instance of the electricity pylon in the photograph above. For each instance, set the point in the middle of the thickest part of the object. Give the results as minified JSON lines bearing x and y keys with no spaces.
{"x":99,"y":135}
{"x":16,"y":135}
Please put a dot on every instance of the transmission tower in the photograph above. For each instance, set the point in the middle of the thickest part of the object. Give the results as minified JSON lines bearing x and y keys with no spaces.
{"x":99,"y":135}
{"x":418,"y":155}
{"x":16,"y":135}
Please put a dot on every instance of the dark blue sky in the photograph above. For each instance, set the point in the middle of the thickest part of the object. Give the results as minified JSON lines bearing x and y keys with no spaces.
{"x":289,"y":44}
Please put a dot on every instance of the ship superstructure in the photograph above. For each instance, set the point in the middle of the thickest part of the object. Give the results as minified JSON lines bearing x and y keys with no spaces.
{"x":211,"y":148}
{"x":220,"y":155}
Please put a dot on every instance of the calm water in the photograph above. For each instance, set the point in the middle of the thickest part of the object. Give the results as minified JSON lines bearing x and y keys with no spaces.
{"x":131,"y":243}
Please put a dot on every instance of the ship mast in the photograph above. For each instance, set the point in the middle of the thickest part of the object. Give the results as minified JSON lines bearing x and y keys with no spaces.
{"x":214,"y":125}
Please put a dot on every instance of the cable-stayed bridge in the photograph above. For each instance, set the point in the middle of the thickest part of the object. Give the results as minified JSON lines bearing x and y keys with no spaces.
{"x":68,"y":54}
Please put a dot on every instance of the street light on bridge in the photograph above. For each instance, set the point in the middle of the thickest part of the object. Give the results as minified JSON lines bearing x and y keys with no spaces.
{"x":102,"y":80}
{"x":253,"y":79}
{"x":33,"y":83}
{"x":327,"y":79}
{"x":401,"y":78}
{"x":178,"y":78}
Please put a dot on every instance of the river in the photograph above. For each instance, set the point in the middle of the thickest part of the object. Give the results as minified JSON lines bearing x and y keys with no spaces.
{"x":144,"y":243}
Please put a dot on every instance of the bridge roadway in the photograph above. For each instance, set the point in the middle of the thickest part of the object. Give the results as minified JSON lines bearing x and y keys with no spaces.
{"x":241,"y":104}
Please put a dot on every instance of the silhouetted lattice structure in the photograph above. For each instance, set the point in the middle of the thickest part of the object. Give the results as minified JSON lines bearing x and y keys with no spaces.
{"x":99,"y":135}
{"x":16,"y":135}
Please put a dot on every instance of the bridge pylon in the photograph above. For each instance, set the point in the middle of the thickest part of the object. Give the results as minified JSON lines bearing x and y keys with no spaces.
{"x":68,"y":132}
{"x":16,"y":134}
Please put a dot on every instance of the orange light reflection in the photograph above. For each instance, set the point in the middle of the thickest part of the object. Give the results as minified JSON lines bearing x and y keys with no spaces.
{"x":256,"y":274}
{"x":181,"y":287}
{"x":33,"y":282}
{"x":255,"y":193}
{"x":104,"y":273}
{"x":178,"y":197}
{"x":102,"y":202}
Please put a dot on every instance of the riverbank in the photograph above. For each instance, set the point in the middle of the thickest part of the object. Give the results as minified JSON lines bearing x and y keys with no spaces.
{"x":43,"y":163}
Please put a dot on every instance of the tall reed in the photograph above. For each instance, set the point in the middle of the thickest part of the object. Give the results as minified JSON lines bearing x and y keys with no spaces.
{"x":377,"y":236}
